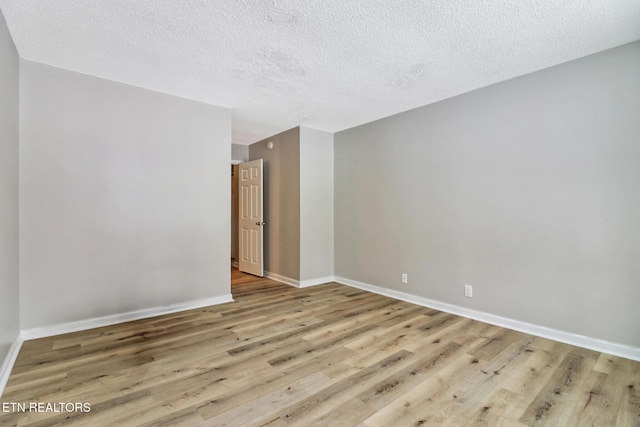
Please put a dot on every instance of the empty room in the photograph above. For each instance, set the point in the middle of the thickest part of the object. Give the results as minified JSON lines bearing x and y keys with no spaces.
{"x":320,"y":213}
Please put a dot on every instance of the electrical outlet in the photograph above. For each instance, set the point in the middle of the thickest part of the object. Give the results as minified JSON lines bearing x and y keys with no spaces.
{"x":405,"y":278}
{"x":468,"y":291}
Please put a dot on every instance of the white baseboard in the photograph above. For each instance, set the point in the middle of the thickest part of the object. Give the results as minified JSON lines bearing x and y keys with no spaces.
{"x":9,"y":361}
{"x":282,"y":279}
{"x":317,"y":281}
{"x":113,"y":319}
{"x":235,"y":264}
{"x":298,"y":283}
{"x":608,"y":347}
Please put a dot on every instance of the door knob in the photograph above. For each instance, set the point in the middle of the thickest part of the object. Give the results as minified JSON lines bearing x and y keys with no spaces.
{"x":261,"y":223}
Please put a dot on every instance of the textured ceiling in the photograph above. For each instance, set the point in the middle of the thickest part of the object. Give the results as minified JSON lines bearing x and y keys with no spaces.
{"x":325,"y":64}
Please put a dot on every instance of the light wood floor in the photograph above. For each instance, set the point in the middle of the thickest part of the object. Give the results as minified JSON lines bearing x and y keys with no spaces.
{"x":328,"y":355}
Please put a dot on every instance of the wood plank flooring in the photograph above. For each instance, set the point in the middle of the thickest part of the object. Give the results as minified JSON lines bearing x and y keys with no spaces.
{"x":329,"y":355}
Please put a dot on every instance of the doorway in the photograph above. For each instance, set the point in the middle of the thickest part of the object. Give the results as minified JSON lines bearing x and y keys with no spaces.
{"x":234,"y":214}
{"x":247,"y":217}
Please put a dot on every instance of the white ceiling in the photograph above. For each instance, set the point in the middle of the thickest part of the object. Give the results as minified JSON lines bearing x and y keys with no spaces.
{"x":326,"y":64}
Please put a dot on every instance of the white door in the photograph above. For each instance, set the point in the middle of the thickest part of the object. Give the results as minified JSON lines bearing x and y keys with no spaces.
{"x":251,"y":219}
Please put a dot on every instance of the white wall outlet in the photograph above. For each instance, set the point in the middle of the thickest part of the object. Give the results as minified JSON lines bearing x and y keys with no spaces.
{"x":468,"y":291}
{"x":405,"y":278}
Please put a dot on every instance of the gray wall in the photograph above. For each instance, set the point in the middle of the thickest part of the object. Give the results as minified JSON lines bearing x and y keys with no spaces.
{"x":9,"y":101}
{"x":281,"y":202}
{"x":239,"y":152}
{"x":124,"y":198}
{"x":528,"y":190}
{"x":316,"y":204}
